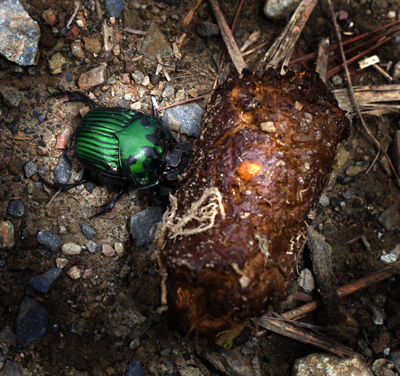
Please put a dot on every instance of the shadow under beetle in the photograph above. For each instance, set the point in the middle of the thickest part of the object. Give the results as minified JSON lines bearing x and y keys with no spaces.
{"x":127,"y":145}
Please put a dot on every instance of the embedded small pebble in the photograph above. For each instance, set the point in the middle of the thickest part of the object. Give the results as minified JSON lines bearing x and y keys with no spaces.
{"x":377,"y":316}
{"x":61,"y":262}
{"x":71,"y":249}
{"x":395,"y":358}
{"x":51,"y":241}
{"x":6,"y":235}
{"x":91,"y":246}
{"x":88,"y":231}
{"x":30,"y":169}
{"x":43,"y":282}
{"x":63,"y":171}
{"x":324,"y":201}
{"x":337,"y":80}
{"x":87,"y":274}
{"x":5,"y":157}
{"x":185,"y":119}
{"x":31,"y":321}
{"x":107,"y":250}
{"x":357,"y":168}
{"x":74,"y":273}
{"x":135,"y":369}
{"x":15,"y":166}
{"x":119,"y":248}
{"x":347,"y":194}
{"x":306,"y":280}
{"x":389,"y":258}
{"x":144,"y":224}
{"x":16,"y":208}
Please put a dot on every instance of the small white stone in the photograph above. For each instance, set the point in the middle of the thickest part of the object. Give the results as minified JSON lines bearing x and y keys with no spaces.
{"x":119,"y":248}
{"x":268,"y":127}
{"x":61,"y":262}
{"x":136,"y":106}
{"x":146,"y":80}
{"x":74,"y":273}
{"x":62,"y":230}
{"x":389,"y":258}
{"x":71,"y":249}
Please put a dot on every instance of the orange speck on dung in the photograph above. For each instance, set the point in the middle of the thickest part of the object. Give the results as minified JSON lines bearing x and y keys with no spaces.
{"x":248,"y":169}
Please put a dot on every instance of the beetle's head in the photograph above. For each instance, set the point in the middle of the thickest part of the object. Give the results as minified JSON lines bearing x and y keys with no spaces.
{"x":176,"y":161}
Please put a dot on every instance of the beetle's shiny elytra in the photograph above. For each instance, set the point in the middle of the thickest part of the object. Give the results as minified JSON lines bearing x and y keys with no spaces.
{"x":124,"y":144}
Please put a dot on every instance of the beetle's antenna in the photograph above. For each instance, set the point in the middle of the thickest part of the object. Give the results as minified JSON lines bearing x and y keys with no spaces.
{"x":155,"y":106}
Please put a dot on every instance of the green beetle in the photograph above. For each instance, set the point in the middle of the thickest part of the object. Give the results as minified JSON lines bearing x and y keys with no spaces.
{"x":126,"y":144}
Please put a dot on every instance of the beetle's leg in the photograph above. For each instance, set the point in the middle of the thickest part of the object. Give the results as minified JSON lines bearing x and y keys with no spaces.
{"x":64,"y":186}
{"x":109,"y":206}
{"x":76,"y":97}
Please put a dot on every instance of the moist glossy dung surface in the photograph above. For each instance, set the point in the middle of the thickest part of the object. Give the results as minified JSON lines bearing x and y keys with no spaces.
{"x":233,"y":235}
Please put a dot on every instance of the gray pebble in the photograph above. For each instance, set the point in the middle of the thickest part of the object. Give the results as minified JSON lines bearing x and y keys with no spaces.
{"x":88,"y":231}
{"x":207,"y":29}
{"x":16,"y":208}
{"x":337,"y":80}
{"x":51,"y":241}
{"x":144,"y":225}
{"x":91,"y":246}
{"x":7,"y":336}
{"x":347,"y":195}
{"x":135,"y":369}
{"x":114,"y":7}
{"x":41,"y":118}
{"x":31,"y":322}
{"x":388,"y":219}
{"x":43,"y":282}
{"x":306,"y":280}
{"x":30,"y":169}
{"x":324,"y":201}
{"x":168,"y":91}
{"x":63,"y":171}
{"x":377,"y":316}
{"x":138,"y":77}
{"x":395,"y":358}
{"x":185,"y":119}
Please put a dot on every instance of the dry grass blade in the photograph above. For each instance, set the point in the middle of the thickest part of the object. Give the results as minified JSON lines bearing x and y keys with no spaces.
{"x":189,"y":17}
{"x":283,"y":46}
{"x":322,"y":58}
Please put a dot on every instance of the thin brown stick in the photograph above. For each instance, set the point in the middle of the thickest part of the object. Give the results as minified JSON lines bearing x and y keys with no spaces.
{"x":288,"y":330}
{"x":179,"y":103}
{"x":189,"y":17}
{"x":351,"y":91}
{"x":227,"y":36}
{"x":346,"y":290}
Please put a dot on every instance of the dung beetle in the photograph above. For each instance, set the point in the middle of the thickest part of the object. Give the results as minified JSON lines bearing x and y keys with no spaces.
{"x":127,"y":145}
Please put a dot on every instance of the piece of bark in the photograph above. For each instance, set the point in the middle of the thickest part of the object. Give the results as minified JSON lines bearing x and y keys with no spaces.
{"x":322,"y":58}
{"x":321,"y":255}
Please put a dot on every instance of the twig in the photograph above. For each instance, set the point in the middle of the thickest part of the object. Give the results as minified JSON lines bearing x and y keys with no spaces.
{"x":188,"y":18}
{"x":322,"y":58}
{"x":251,"y":40}
{"x":54,"y":196}
{"x":227,"y":36}
{"x":288,"y":330}
{"x":254,"y":49}
{"x":283,"y":46}
{"x":133,"y":31}
{"x":351,"y":91}
{"x":77,"y":5}
{"x":186,"y":101}
{"x":346,"y":290}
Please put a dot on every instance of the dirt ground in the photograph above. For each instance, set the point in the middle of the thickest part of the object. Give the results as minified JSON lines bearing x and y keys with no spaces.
{"x":98,"y":325}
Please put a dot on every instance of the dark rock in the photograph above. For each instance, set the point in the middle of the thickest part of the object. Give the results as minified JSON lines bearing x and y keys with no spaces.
{"x":51,"y":241}
{"x":30,"y":243}
{"x":16,"y":208}
{"x":135,"y":369}
{"x":155,"y":42}
{"x":31,"y":322}
{"x":88,"y":231}
{"x":114,"y":7}
{"x":7,"y":336}
{"x":13,"y":369}
{"x":393,"y":322}
{"x":47,"y":38}
{"x":15,"y":166}
{"x":207,"y":29}
{"x":5,"y":158}
{"x":395,"y":358}
{"x":144,"y":225}
{"x":30,"y":169}
{"x":13,"y":127}
{"x":63,"y":171}
{"x":43,"y":282}
{"x":389,"y":218}
{"x":11,"y":96}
